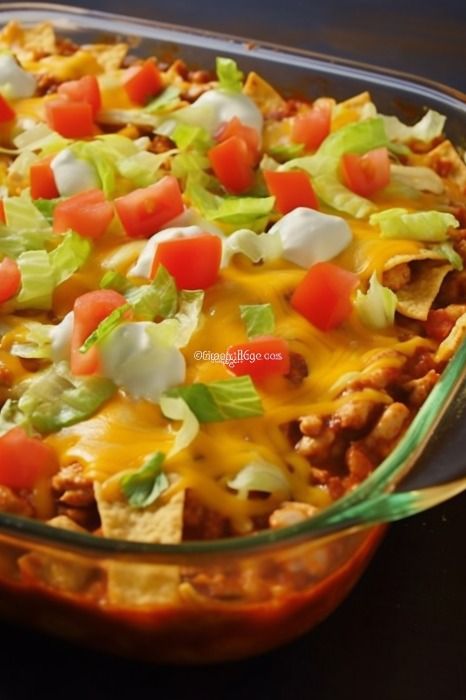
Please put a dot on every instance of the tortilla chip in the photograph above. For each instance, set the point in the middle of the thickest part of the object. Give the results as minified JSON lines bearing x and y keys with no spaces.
{"x":157,"y":523}
{"x":264,"y":95}
{"x":142,"y":584}
{"x":446,"y":152}
{"x":60,"y":571}
{"x":450,"y":345}
{"x":71,"y":67}
{"x":423,"y":254}
{"x":29,"y":44}
{"x":416,"y":298}
{"x":109,"y":56}
{"x":352,"y":110}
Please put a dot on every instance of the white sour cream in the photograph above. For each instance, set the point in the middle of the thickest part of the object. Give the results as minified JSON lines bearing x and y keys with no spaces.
{"x":73,"y":175}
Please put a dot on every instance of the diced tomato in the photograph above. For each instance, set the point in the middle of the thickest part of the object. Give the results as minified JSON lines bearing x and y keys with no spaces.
{"x":142,"y":82}
{"x":249,"y":135}
{"x":291,"y":189}
{"x":324,"y":295}
{"x":439,"y":324}
{"x":87,"y":213}
{"x":143,"y":212}
{"x":366,"y":174}
{"x":89,"y":310}
{"x":260,"y":357}
{"x":10,"y":279}
{"x":2,"y":212}
{"x":83,"y":90}
{"x":24,"y":460}
{"x":73,"y":120}
{"x":194,"y":262}
{"x":231,"y":163}
{"x":42,"y":180}
{"x":312,"y":127}
{"x":7,"y":113}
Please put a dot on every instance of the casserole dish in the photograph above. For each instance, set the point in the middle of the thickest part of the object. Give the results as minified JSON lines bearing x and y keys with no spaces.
{"x":250,"y":593}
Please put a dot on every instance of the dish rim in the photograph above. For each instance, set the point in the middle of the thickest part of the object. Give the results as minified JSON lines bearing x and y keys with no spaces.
{"x":416,"y":437}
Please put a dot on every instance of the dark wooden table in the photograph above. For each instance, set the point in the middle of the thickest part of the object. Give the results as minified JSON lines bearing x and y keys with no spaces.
{"x":401,"y":635}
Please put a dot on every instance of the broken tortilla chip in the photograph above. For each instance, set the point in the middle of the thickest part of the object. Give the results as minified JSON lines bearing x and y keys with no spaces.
{"x":445,"y":152}
{"x":416,"y":298}
{"x":142,"y":584}
{"x":452,"y":342}
{"x":108,"y":56}
{"x":353,"y":109}
{"x":264,"y":95}
{"x":29,"y":44}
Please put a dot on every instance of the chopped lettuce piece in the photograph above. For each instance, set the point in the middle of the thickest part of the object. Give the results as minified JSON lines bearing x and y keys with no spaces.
{"x":56,"y":399}
{"x":450,"y":254}
{"x":37,"y":282}
{"x":376,"y":308}
{"x":263,"y":246}
{"x":69,"y":256}
{"x":166,"y":101}
{"x":47,"y":207}
{"x":259,"y":319}
{"x":188,"y":136}
{"x":189,"y":162}
{"x":40,"y":138}
{"x":419,"y":177}
{"x":229,"y":75}
{"x":426,"y":129}
{"x":143,"y":168}
{"x":429,"y":226}
{"x":236,"y":211}
{"x":260,"y":476}
{"x":357,"y":137}
{"x":160,"y":298}
{"x":286,"y":151}
{"x":21,"y":214}
{"x":41,"y":272}
{"x":177,"y":409}
{"x":115,"y":280}
{"x":105,"y":327}
{"x":222,"y":400}
{"x":143,"y":487}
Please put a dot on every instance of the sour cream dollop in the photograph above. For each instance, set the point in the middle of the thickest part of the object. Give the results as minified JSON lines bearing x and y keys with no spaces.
{"x":19,"y":83}
{"x":309,"y":236}
{"x":73,"y":175}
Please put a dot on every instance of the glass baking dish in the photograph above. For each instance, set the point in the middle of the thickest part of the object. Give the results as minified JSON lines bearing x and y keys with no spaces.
{"x":256,"y":592}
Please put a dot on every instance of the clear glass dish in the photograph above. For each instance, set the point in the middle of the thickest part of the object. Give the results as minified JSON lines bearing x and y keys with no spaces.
{"x":240,"y":596}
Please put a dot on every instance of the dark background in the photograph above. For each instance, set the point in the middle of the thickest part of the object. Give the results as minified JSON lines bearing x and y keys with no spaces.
{"x":401,"y":635}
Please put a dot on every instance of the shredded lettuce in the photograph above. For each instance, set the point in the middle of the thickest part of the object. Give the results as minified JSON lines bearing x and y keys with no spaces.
{"x":263,"y":246}
{"x":222,"y":400}
{"x":286,"y":151}
{"x":235,"y":211}
{"x":450,"y":254}
{"x":46,"y":208}
{"x":41,"y":272}
{"x":69,"y":256}
{"x":429,"y":226}
{"x":323,"y":166}
{"x":376,"y":308}
{"x":177,"y":409}
{"x":188,"y":136}
{"x":228,"y":74}
{"x":165,"y":102}
{"x":142,"y":488}
{"x":260,"y":476}
{"x":160,"y":298}
{"x":143,"y":168}
{"x":105,"y":327}
{"x":40,"y":138}
{"x":36,"y":343}
{"x":115,"y":280}
{"x":185,"y":164}
{"x":426,"y":129}
{"x":21,"y":165}
{"x":418,"y":177}
{"x":56,"y":399}
{"x":21,"y":214}
{"x":259,"y":319}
